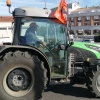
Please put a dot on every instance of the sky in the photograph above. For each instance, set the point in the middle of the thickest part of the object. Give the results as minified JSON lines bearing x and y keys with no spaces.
{"x":41,"y":4}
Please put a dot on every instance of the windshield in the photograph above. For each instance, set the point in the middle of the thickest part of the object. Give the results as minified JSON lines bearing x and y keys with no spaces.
{"x":42,"y":29}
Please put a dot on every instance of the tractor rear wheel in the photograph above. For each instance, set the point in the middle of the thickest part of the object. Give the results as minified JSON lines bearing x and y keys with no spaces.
{"x":93,"y":81}
{"x":21,"y":76}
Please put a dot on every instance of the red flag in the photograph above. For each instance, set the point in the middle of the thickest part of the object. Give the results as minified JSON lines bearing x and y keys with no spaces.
{"x":61,"y":10}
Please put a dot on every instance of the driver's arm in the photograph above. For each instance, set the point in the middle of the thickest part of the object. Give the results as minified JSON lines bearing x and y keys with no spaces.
{"x":37,"y":40}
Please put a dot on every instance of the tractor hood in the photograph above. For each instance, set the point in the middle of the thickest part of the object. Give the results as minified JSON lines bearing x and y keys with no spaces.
{"x":82,"y":44}
{"x":91,"y":47}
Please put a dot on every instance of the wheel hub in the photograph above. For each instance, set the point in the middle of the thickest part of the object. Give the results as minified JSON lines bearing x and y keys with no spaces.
{"x":18,"y":79}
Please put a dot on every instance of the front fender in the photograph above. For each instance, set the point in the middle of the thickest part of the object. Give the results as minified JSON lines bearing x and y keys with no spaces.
{"x":6,"y":48}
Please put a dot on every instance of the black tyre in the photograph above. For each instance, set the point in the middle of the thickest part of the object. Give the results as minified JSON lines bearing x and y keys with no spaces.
{"x":21,"y":76}
{"x":93,"y":81}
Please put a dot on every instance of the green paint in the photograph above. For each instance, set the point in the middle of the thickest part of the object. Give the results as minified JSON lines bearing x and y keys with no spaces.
{"x":82,"y":45}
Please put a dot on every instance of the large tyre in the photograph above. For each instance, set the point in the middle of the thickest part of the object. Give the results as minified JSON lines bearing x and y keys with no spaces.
{"x":93,"y":81}
{"x":21,"y":76}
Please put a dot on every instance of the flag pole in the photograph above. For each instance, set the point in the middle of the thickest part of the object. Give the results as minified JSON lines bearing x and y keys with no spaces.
{"x":57,"y":2}
{"x":45,"y":4}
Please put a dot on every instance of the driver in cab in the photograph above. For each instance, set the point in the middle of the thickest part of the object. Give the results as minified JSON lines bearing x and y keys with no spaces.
{"x":31,"y":36}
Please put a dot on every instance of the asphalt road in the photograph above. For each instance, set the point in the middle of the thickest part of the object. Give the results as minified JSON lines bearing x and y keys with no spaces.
{"x":67,"y":92}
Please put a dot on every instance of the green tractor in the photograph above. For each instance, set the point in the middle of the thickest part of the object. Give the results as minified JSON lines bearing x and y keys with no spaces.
{"x":80,"y":51}
{"x":84,"y":50}
{"x":27,"y":66}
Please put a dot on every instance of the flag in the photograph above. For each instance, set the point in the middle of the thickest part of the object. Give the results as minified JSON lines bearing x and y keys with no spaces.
{"x":61,"y":11}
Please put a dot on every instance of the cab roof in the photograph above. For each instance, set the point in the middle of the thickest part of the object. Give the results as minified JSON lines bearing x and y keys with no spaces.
{"x":33,"y":12}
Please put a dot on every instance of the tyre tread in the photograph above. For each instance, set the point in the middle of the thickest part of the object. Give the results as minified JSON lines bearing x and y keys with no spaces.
{"x":28,"y":55}
{"x":89,"y":79}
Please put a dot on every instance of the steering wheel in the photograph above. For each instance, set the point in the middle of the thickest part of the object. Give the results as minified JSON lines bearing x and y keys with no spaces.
{"x":51,"y":45}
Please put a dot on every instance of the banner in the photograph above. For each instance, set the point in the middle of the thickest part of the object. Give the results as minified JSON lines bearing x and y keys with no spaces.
{"x":62,"y":12}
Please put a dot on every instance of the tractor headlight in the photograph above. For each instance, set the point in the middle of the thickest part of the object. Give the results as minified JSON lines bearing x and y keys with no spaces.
{"x":93,"y":47}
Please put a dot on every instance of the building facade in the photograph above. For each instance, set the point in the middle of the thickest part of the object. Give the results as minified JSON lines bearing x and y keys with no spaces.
{"x":6,"y":26}
{"x":82,"y":20}
{"x":85,"y":20}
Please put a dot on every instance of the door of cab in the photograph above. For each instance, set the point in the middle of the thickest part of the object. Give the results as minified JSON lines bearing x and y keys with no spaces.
{"x":57,"y":58}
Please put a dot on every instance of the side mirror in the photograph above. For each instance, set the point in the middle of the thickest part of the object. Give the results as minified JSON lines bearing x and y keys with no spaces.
{"x":71,"y":43}
{"x":63,"y":46}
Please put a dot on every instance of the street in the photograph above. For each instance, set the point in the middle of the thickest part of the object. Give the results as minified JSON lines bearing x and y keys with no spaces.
{"x":67,"y":92}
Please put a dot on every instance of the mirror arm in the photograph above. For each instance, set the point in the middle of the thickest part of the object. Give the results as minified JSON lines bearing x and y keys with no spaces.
{"x":9,"y":10}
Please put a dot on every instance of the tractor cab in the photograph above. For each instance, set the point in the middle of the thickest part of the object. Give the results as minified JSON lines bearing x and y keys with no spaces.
{"x":48,"y":30}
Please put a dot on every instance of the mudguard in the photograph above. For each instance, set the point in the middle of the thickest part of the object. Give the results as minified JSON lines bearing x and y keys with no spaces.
{"x":6,"y":48}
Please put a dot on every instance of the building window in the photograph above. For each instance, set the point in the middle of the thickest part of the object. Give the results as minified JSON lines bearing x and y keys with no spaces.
{"x":87,"y":21}
{"x":96,"y":32}
{"x":72,"y":23}
{"x":96,"y":20}
{"x":87,"y":18}
{"x":87,"y":32}
{"x":70,"y":6}
{"x":79,"y":19}
{"x":79,"y":32}
{"x":79,"y":24}
{"x":72,"y":19}
{"x":96,"y":23}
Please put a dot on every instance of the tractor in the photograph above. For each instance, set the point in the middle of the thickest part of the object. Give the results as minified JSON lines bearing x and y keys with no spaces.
{"x":80,"y":51}
{"x":27,"y":66}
